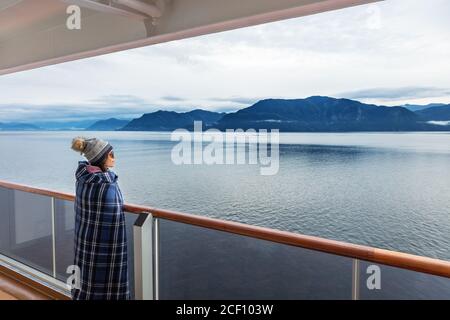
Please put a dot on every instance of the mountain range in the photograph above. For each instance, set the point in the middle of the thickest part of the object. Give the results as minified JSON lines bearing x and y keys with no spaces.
{"x":436,"y":113}
{"x":17,"y":126}
{"x":171,"y":120}
{"x":313,"y":114}
{"x":108,"y":125}
{"x":417,"y":107}
{"x":322,"y":114}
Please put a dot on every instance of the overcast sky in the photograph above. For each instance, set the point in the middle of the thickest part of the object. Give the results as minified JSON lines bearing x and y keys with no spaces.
{"x":389,"y":53}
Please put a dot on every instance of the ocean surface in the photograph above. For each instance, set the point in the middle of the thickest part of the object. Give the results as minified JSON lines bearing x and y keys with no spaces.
{"x":387,"y":190}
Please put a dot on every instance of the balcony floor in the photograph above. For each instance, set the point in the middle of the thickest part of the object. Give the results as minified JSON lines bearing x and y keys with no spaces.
{"x":13,"y":289}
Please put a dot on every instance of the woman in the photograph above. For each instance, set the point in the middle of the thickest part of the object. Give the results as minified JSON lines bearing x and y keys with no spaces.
{"x":100,"y":234}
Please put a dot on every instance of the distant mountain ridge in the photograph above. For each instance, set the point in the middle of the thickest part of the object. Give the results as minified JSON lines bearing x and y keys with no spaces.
{"x":319,"y":113}
{"x":108,"y":125}
{"x":312,"y":114}
{"x":171,"y":120}
{"x":18,"y":126}
{"x":66,"y":125}
{"x":437,"y":113}
{"x":417,"y":107}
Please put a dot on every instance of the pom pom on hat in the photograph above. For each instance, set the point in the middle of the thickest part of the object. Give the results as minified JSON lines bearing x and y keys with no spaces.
{"x":79,"y":144}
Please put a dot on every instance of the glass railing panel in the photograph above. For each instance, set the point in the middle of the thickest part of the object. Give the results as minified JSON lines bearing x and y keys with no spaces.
{"x":64,"y":235}
{"x":379,"y":281}
{"x":200,"y":263}
{"x":26,"y":228}
{"x":65,"y":227}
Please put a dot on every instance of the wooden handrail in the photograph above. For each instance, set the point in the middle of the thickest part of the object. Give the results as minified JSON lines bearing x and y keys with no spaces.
{"x":387,"y":257}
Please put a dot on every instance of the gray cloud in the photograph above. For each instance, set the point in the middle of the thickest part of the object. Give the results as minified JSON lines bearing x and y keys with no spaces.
{"x":238,"y":100}
{"x":68,"y":112}
{"x":173,"y":98}
{"x":120,"y":99}
{"x":121,"y":106}
{"x":396,"y":93}
{"x":227,"y":109}
{"x":102,"y":109}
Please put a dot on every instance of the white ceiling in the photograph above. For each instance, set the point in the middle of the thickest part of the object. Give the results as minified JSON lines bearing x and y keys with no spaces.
{"x":33,"y":33}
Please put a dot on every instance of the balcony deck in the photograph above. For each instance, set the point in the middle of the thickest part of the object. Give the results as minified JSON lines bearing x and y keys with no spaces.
{"x":16,"y":288}
{"x":6,"y":296}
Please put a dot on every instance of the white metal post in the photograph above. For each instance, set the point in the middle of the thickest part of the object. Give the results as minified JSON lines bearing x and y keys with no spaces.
{"x":53,"y":237}
{"x":143,"y":257}
{"x":156,"y":257}
{"x":355,"y":279}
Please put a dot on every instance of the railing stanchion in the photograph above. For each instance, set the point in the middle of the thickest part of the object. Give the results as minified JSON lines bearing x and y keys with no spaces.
{"x":53,"y":237}
{"x":355,"y":279}
{"x":143,"y":257}
{"x":156,"y":254}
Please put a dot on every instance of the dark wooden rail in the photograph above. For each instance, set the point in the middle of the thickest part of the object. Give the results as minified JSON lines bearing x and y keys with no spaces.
{"x":392,"y":258}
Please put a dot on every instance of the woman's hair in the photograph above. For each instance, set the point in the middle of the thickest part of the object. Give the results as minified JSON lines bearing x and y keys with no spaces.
{"x":101,"y":163}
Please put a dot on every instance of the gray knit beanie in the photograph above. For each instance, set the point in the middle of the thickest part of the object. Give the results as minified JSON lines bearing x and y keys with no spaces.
{"x":93,"y":149}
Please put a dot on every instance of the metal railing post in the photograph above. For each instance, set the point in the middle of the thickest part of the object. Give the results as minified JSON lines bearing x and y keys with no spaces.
{"x":156,"y":256}
{"x":143,"y":257}
{"x":355,"y":279}
{"x":53,"y":237}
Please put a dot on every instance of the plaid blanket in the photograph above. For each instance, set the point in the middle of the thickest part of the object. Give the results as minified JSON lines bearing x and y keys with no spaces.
{"x":100,"y":235}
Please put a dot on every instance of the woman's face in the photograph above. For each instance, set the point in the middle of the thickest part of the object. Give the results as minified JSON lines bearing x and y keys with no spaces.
{"x":110,"y":161}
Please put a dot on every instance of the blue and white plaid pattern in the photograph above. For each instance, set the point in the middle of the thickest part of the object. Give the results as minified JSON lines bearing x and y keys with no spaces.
{"x":100,"y":236}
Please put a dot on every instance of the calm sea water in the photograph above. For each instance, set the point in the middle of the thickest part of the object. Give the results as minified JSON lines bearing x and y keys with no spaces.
{"x":388,"y":190}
